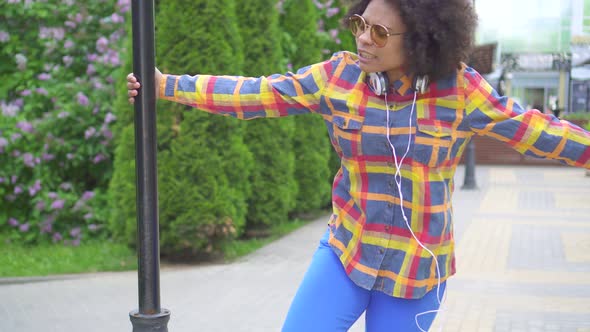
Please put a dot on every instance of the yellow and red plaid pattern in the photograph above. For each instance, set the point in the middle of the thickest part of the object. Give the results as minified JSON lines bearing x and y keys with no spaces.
{"x":367,"y":228}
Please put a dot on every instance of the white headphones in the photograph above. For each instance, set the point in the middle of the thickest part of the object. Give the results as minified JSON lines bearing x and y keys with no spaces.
{"x":379,"y":83}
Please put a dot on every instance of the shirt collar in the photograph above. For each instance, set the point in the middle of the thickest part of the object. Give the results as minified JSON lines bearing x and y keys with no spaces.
{"x":403,"y":86}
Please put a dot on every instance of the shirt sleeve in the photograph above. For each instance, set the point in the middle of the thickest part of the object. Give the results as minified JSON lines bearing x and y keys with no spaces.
{"x":528,"y":132}
{"x":249,"y":97}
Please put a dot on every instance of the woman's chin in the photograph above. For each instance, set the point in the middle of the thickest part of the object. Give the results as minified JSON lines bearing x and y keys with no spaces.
{"x":367,"y":68}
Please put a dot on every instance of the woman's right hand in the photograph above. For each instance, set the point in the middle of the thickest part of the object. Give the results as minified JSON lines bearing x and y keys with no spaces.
{"x":133,"y":85}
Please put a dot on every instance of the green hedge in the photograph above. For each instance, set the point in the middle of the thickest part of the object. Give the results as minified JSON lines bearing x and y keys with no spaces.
{"x":311,"y":143}
{"x":203,"y":163}
{"x":274,"y":187}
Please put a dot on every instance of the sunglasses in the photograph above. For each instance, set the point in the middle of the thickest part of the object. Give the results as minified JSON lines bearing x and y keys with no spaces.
{"x":379,"y":33}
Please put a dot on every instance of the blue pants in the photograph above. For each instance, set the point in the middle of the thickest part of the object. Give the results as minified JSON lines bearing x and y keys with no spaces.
{"x":328,"y":301}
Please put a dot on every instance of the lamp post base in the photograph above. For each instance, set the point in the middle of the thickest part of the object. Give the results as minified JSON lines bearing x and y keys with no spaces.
{"x":150,"y":323}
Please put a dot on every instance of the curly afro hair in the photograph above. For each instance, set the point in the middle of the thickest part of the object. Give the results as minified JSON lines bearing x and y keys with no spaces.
{"x":439,"y":35}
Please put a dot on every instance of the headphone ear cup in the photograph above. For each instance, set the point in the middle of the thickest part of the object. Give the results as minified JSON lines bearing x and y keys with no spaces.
{"x":421,"y":84}
{"x":378,"y":83}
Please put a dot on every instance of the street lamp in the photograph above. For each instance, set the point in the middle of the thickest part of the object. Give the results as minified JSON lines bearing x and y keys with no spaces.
{"x":150,"y":317}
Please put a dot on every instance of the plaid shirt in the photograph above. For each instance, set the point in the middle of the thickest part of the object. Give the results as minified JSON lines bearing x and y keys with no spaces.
{"x":367,"y":229}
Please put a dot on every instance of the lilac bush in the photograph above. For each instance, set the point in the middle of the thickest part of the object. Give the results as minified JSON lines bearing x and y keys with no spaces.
{"x":335,"y":36}
{"x":58,"y":60}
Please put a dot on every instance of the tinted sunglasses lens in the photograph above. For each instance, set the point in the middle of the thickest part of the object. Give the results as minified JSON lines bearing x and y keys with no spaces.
{"x":379,"y":35}
{"x":357,"y":25}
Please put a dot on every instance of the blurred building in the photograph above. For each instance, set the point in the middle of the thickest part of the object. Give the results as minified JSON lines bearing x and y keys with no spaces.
{"x":543,"y":52}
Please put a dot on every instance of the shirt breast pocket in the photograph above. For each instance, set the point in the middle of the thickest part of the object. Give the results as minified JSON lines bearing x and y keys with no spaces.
{"x":347,"y":134}
{"x":433,"y":142}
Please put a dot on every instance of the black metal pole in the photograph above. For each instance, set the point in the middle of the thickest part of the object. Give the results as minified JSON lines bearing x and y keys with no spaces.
{"x":149,"y":317}
{"x":469,"y":181}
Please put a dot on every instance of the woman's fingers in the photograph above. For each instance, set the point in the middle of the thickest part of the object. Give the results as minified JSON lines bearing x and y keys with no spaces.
{"x":131,"y":78}
{"x":132,"y":86}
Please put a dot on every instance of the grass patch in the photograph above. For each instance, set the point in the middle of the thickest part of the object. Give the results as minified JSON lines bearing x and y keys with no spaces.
{"x":19,"y":260}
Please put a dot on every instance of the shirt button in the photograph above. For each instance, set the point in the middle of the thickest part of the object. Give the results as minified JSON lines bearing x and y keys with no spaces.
{"x":381,"y":251}
{"x":387,"y":228}
{"x":389,"y":205}
{"x":391,"y":183}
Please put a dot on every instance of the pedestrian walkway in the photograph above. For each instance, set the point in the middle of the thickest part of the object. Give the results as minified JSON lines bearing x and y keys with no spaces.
{"x":523,"y":259}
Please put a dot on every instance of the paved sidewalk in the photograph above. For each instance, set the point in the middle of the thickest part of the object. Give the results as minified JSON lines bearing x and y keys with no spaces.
{"x":523,"y":250}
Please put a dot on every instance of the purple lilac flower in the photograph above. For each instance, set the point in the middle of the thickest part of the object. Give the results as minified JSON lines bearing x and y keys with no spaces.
{"x":332,"y":11}
{"x":3,"y":144}
{"x":92,"y":57}
{"x":76,"y":232}
{"x":88,"y":195}
{"x":44,"y":77}
{"x":16,"y":153}
{"x":25,"y":126}
{"x":106,"y":133}
{"x":102,"y":44}
{"x":13,"y":179}
{"x":113,"y":58}
{"x":90,"y":70}
{"x":18,"y":190}
{"x":58,"y":205}
{"x":15,"y":137}
{"x":21,"y":61}
{"x":10,"y":109}
{"x":57,"y":237}
{"x":46,"y":228}
{"x":2,"y":180}
{"x":76,"y":242}
{"x":70,"y":25}
{"x":42,"y":91}
{"x":68,"y":60}
{"x":13,"y":222}
{"x":26,"y":92}
{"x":109,"y":118}
{"x":52,"y":195}
{"x":24,"y":227}
{"x":29,"y":160}
{"x":79,"y":18}
{"x":63,"y":115}
{"x":98,"y":158}
{"x":4,"y":36}
{"x":66,"y":186}
{"x":35,"y":188}
{"x":91,"y":227}
{"x":48,"y":157}
{"x":40,"y":206}
{"x":95,"y":110}
{"x":89,"y":133}
{"x":70,"y":156}
{"x":124,"y":6}
{"x":82,"y":99}
{"x":52,"y":33}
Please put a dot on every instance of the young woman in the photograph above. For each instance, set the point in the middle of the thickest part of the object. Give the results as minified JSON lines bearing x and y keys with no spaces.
{"x":399,"y":113}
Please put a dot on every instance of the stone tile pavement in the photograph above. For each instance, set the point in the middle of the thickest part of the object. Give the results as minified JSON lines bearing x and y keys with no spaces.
{"x":523,"y":258}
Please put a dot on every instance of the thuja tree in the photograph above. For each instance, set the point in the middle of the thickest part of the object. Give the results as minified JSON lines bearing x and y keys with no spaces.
{"x":273,"y":183}
{"x":58,"y":60}
{"x":204,"y":170}
{"x":311,"y":143}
